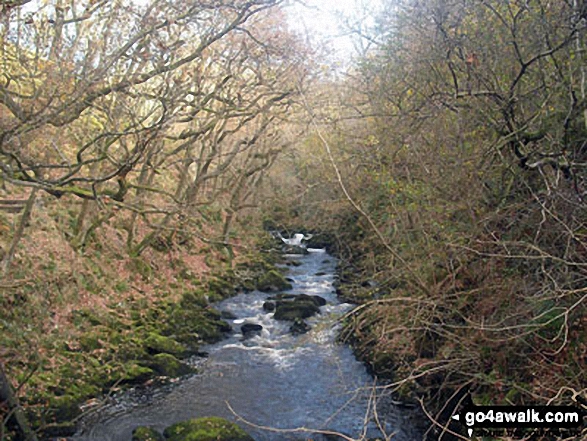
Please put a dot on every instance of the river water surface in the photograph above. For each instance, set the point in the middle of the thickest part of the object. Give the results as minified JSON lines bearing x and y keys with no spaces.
{"x":273,"y":379}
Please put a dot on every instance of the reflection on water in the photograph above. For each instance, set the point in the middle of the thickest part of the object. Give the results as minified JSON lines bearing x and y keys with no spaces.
{"x":272,"y":379}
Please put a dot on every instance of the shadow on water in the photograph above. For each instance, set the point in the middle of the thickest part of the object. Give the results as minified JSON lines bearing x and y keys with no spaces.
{"x":272,"y":379}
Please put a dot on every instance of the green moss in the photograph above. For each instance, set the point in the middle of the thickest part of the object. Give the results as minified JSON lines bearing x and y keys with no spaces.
{"x":295,"y":310}
{"x":89,"y":343}
{"x":206,"y":429}
{"x":223,"y":288}
{"x":192,"y":324}
{"x":169,"y":366}
{"x":135,"y":374}
{"x":83,"y":317}
{"x":273,"y":281}
{"x":157,"y":344}
{"x":146,"y":434}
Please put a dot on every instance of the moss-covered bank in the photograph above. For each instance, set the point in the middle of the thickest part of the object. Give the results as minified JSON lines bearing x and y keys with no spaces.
{"x":132,"y":343}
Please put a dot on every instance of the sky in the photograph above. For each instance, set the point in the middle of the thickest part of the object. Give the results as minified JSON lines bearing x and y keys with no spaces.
{"x":324,"y":20}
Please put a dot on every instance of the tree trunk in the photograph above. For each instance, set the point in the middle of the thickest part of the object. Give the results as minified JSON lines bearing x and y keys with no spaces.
{"x":8,"y":398}
{"x":26,"y":216}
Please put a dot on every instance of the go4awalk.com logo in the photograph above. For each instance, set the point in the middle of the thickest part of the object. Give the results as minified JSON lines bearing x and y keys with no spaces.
{"x":521,"y":417}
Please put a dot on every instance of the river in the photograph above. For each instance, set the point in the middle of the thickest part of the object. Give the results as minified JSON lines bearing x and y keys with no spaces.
{"x":273,"y":379}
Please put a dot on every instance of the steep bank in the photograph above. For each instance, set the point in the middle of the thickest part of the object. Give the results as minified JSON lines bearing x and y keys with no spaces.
{"x":77,"y":327}
{"x":423,"y":342}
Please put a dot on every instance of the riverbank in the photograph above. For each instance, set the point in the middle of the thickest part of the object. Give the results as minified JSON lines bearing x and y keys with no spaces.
{"x":420,"y":334}
{"x":282,"y":381}
{"x":107,"y":322}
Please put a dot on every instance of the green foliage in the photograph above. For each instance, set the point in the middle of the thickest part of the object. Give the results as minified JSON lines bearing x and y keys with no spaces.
{"x":206,"y":429}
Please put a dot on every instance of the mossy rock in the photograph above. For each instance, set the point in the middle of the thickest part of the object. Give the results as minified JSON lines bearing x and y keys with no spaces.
{"x":295,"y":310}
{"x":157,"y":344}
{"x":194,"y":300}
{"x":196,"y":325}
{"x":273,"y":281}
{"x":144,"y":433}
{"x":206,"y":429}
{"x":135,"y":374}
{"x":169,"y":366}
{"x":223,"y":288}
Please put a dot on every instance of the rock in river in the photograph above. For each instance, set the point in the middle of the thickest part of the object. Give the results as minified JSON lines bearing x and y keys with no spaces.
{"x":269,"y":306}
{"x":250,"y":329}
{"x":298,"y":308}
{"x":273,"y":281}
{"x":206,"y":429}
{"x":146,"y":434}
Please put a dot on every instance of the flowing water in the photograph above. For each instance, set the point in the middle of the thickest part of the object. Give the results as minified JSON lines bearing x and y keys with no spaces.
{"x":273,"y":379}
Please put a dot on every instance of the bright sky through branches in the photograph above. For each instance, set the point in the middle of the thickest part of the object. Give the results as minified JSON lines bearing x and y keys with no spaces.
{"x":329,"y":23}
{"x":332,"y":23}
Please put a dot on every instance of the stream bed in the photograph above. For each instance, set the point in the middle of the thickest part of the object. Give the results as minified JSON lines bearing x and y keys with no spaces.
{"x":272,"y":379}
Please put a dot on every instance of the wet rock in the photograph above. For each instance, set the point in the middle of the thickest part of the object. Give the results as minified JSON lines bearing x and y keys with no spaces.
{"x":273,"y":281}
{"x":269,"y":306}
{"x":206,"y":429}
{"x":250,"y":329}
{"x":320,"y":273}
{"x":319,"y":301}
{"x":293,"y":263}
{"x":299,"y":326}
{"x":144,"y":433}
{"x":299,"y":308}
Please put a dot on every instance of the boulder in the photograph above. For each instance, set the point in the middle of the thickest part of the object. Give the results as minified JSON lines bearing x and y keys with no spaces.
{"x":157,"y":344}
{"x":319,"y":301}
{"x":269,"y":306}
{"x":290,"y":310}
{"x":135,"y":374}
{"x":250,"y":329}
{"x":169,"y":366}
{"x":206,"y":429}
{"x":273,"y":281}
{"x":144,"y":433}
